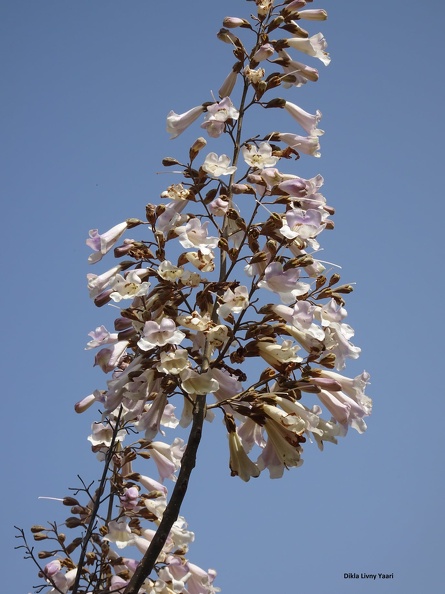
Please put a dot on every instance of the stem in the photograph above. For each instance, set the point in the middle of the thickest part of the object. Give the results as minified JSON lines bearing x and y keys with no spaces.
{"x":174,"y":505}
{"x":94,"y":511}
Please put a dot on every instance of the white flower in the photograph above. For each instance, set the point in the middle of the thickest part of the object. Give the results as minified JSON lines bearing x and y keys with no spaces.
{"x":120,"y":533}
{"x":194,"y":234}
{"x":306,"y":120}
{"x":279,"y":356}
{"x":259,"y":157}
{"x":155,"y":334}
{"x":309,"y":145}
{"x":174,"y":362}
{"x":233,"y":301}
{"x":177,"y":123}
{"x":216,"y":166}
{"x":204,"y":262}
{"x":129,"y":286}
{"x":240,"y":463}
{"x":198,"y":383}
{"x":103,"y":435}
{"x":313,"y":46}
{"x":168,"y":271}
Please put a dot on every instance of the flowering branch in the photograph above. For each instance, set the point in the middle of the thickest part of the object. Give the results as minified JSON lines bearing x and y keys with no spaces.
{"x":246,"y":284}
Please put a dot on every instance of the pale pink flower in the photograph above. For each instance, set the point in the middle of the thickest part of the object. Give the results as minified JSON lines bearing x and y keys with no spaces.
{"x":283,"y":282}
{"x":101,"y":336}
{"x":263,"y":53}
{"x":217,"y":115}
{"x":109,"y":358}
{"x":305,"y":224}
{"x":167,"y":457}
{"x":155,"y":334}
{"x":102,"y":243}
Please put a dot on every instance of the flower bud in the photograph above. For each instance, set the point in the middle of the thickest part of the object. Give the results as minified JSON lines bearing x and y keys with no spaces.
{"x":197,"y":146}
{"x":233,"y":22}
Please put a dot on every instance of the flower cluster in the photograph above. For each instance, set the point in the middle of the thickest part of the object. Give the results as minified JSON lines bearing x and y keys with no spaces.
{"x":225,"y":308}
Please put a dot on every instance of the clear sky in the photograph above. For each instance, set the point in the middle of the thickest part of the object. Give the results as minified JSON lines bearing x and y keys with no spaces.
{"x":86,"y":86}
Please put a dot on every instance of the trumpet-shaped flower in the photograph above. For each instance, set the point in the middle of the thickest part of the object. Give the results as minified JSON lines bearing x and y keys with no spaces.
{"x":312,"y":46}
{"x":240,"y":463}
{"x":177,"y":123}
{"x":102,"y":243}
{"x":167,"y":457}
{"x":306,"y":120}
{"x":309,"y":145}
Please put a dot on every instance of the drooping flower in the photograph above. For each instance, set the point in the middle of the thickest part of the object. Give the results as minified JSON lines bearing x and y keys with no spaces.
{"x":240,"y":463}
{"x":167,"y":457}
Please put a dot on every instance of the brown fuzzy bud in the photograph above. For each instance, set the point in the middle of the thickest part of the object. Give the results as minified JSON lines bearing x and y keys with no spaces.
{"x":40,"y":536}
{"x":73,"y":522}
{"x":170,"y":161}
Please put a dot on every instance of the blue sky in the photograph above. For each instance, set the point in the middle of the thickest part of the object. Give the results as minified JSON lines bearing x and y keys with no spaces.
{"x":86,"y":88}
